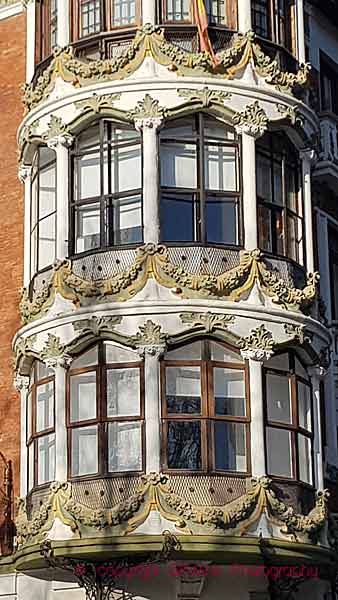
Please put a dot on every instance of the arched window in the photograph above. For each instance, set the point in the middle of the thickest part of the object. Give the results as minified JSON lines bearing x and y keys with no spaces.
{"x":40,"y":426}
{"x":288,"y":405}
{"x":200,"y":182}
{"x":43,"y":209}
{"x":280,"y":207}
{"x":106,"y":203}
{"x":105,"y":412}
{"x":275,"y":20}
{"x":205,"y":409}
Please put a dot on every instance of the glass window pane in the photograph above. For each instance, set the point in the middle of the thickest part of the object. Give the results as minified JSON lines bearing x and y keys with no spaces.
{"x":300,"y":370}
{"x":29,"y":415}
{"x":177,"y":218}
{"x":265,"y":228}
{"x":188,"y":352}
{"x":90,"y":17}
{"x":184,"y":445}
{"x":84,"y":451}
{"x":46,"y":458}
{"x":43,"y":371}
{"x":178,"y":165}
{"x":87,"y":227}
{"x":223,"y":354}
{"x":263,"y":173}
{"x":278,"y":398}
{"x":123,"y":392}
{"x":31,"y":466}
{"x":229,"y":392}
{"x":220,"y":168}
{"x":304,"y":405}
{"x":127,"y":220}
{"x":117,"y":354}
{"x":83,"y":396}
{"x":47,"y":241}
{"x":47,"y":190}
{"x":279,"y":452}
{"x":124,"y":446}
{"x":89,"y":138}
{"x":280,"y":362}
{"x":183,"y":390}
{"x":87,"y":359}
{"x":230,"y":446}
{"x":88,"y":179}
{"x":126,"y":168}
{"x":45,"y":406}
{"x":221,"y":220}
{"x":304,"y":459}
{"x":277,"y":183}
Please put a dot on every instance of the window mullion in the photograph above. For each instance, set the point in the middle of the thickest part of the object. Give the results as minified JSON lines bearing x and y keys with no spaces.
{"x":201,"y":179}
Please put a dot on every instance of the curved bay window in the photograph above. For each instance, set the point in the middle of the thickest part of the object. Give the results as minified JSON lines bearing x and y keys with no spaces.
{"x":205,"y":409}
{"x":275,"y":20}
{"x":43,"y":209}
{"x":200,"y":182}
{"x":40,"y":426}
{"x":93,"y":16}
{"x":220,"y":12}
{"x":288,"y":405}
{"x":280,"y":206}
{"x":106,"y":203}
{"x":105,"y":412}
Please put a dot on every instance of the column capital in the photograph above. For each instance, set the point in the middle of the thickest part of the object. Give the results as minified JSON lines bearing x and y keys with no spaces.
{"x":252,"y":120}
{"x":151,"y":350}
{"x":310,"y":155}
{"x":256,"y":354}
{"x":54,"y":362}
{"x":63,"y":140}
{"x":317,"y":372}
{"x":24,"y":172}
{"x":21,"y":383}
{"x":149,"y":123}
{"x":253,"y":131}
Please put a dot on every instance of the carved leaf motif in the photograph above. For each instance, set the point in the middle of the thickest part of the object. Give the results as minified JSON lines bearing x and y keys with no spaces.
{"x":259,"y":339}
{"x":295,"y":331}
{"x":291,"y":113}
{"x":52,"y":348}
{"x":96,"y":103}
{"x":205,"y":96}
{"x":56,"y":127}
{"x":252,"y":119}
{"x":208,"y":321}
{"x":96,"y":325}
{"x":149,"y":334}
{"x":147,"y":108}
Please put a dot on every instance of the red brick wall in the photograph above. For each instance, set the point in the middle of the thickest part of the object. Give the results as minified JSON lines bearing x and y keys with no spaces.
{"x":12,"y":75}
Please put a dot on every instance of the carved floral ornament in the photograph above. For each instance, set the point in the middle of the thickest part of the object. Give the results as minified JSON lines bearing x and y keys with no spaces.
{"x":152,"y":262}
{"x":156,"y":493}
{"x":150,"y":41}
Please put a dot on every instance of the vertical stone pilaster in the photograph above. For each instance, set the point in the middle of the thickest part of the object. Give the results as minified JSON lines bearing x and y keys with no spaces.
{"x":300,"y":31}
{"x":307,"y":158}
{"x":244,"y":16}
{"x":21,"y":384}
{"x":30,"y":6}
{"x":63,"y":23}
{"x":249,"y":186}
{"x":148,"y":9}
{"x":316,"y":373}
{"x":25,"y":176}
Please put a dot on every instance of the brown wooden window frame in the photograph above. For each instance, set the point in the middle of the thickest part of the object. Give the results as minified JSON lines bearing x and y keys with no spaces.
{"x":281,"y":157}
{"x":294,"y":428}
{"x":106,"y":18}
{"x":47,"y":23}
{"x":34,"y":437}
{"x":200,"y":194}
{"x":280,"y":21}
{"x":230,"y":15}
{"x":101,"y":421}
{"x":207,"y":417}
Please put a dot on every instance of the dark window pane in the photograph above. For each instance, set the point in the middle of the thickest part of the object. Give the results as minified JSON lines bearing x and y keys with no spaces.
{"x":263,"y":174}
{"x":264,"y":228}
{"x":260,"y":17}
{"x":183,"y":390}
{"x":229,"y":392}
{"x":221,"y":221}
{"x":279,"y":452}
{"x":126,"y":220}
{"x":177,"y":218}
{"x":230,"y":446}
{"x":90,"y":17}
{"x":177,"y":11}
{"x":184,"y":445}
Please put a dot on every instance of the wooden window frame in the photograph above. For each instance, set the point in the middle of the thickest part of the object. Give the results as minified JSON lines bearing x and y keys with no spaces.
{"x":276,"y":22}
{"x":231,"y":15}
{"x":283,"y":209}
{"x":294,"y":428}
{"x":32,"y":440}
{"x":207,"y":417}
{"x":200,"y":193}
{"x":35,"y":180}
{"x":104,"y":201}
{"x":102,"y":420}
{"x":106,"y":18}
{"x":44,"y":29}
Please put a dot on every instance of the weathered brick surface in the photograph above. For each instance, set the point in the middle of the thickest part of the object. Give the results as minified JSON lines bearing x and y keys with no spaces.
{"x":12,"y":69}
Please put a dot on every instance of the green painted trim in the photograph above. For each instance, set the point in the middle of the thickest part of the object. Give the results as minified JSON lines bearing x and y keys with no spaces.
{"x":226,"y":550}
{"x":7,"y":565}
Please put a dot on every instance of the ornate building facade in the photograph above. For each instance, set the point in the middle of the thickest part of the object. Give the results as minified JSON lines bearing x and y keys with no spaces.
{"x":176,"y":362}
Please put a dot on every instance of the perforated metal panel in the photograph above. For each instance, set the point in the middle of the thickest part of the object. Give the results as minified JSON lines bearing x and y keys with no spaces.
{"x":103,"y":265}
{"x":36,"y":499}
{"x":209,"y":490}
{"x":105,"y":493}
{"x":293,"y":275}
{"x":201,"y":260}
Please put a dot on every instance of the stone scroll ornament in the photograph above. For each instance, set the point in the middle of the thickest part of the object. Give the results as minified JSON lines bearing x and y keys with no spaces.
{"x":155,"y":493}
{"x":152,"y":262}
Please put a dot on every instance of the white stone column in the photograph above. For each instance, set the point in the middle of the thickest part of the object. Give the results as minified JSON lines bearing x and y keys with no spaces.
{"x":151,"y":356}
{"x":249,"y":186}
{"x":21,"y":384}
{"x":61,"y":144}
{"x":300,"y":31}
{"x":25,"y":176}
{"x":62,"y":23}
{"x":60,"y":365}
{"x":244,"y":16}
{"x":30,"y":6}
{"x":255,"y":358}
{"x":151,"y":212}
{"x":148,"y":8}
{"x":316,"y":373}
{"x":307,"y":158}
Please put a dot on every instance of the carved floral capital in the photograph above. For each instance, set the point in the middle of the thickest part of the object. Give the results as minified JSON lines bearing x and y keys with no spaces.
{"x":21,"y":383}
{"x":259,"y":345}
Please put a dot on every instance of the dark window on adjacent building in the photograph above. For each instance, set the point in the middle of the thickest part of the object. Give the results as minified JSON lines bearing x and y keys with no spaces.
{"x":333,"y":254}
{"x":328,"y":84}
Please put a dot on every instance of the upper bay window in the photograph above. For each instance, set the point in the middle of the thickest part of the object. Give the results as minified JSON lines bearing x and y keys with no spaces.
{"x":47,"y":25}
{"x":106,"y":202}
{"x":205,"y":409}
{"x":220,"y":12}
{"x":275,"y":20}
{"x":105,"y":412}
{"x":280,"y":207}
{"x":288,"y":405}
{"x":200,"y":182}
{"x":40,"y":426}
{"x":43,"y":209}
{"x":93,"y":16}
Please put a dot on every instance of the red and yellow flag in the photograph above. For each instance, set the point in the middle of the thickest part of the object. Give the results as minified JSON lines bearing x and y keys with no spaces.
{"x":200,"y":17}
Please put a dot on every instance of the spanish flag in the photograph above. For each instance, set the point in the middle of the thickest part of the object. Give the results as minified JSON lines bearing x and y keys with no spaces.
{"x":200,"y":17}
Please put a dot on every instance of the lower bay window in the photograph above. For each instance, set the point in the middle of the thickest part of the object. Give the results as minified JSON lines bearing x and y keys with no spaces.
{"x":205,"y":409}
{"x":40,"y":427}
{"x":105,"y":412}
{"x":288,"y":405}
